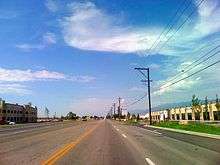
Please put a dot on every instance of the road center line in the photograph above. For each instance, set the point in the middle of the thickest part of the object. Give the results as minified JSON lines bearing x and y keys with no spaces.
{"x":150,"y":162}
{"x":61,"y":152}
{"x":124,"y":135}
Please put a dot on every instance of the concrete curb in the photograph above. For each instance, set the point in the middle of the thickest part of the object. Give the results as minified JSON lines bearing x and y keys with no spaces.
{"x":187,"y":132}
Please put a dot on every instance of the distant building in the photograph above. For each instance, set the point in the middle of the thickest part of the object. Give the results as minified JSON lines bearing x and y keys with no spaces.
{"x":186,"y":113}
{"x":17,"y":113}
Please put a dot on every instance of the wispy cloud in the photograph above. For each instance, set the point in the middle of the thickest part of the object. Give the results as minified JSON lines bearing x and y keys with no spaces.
{"x":47,"y":40}
{"x":14,"y":88}
{"x":16,"y":75}
{"x":51,"y":5}
{"x":12,"y":80}
{"x":90,"y":28}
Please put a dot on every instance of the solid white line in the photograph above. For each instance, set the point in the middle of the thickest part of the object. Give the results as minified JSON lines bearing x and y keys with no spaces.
{"x":149,"y":161}
{"x":124,"y":135}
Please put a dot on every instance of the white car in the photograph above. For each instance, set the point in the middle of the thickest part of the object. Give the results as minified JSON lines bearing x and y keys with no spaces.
{"x":11,"y":123}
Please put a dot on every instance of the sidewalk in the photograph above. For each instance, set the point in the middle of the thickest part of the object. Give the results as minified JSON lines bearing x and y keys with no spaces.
{"x":186,"y":132}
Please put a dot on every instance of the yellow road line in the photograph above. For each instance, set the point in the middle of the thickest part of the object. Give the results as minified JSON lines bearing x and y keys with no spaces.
{"x":61,"y":152}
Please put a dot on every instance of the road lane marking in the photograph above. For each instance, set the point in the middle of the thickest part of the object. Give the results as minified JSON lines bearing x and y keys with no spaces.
{"x":61,"y":152}
{"x":150,"y":162}
{"x":124,"y":135}
{"x":154,"y":131}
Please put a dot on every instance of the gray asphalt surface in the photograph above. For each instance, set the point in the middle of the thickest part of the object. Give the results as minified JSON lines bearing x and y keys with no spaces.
{"x":111,"y":143}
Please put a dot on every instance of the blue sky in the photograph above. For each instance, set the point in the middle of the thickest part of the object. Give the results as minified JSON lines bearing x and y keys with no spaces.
{"x":79,"y":55}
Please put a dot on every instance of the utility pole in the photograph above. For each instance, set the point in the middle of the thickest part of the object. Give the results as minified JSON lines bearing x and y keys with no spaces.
{"x":119,"y":107}
{"x":148,"y":85}
{"x":114,"y":107}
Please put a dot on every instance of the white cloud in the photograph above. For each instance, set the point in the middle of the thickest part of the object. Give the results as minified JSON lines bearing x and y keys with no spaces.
{"x":47,"y":40}
{"x":209,"y":17}
{"x":14,"y":88}
{"x":51,"y":5}
{"x":11,"y":80}
{"x":28,"y":47}
{"x":16,"y":75}
{"x":90,"y":28}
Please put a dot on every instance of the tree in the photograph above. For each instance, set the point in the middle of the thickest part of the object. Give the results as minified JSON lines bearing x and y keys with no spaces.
{"x":71,"y":116}
{"x":138,"y":117}
{"x":217,"y":105}
{"x":133,"y":116}
{"x":206,"y":108}
{"x":196,"y":107}
{"x":128,"y":115}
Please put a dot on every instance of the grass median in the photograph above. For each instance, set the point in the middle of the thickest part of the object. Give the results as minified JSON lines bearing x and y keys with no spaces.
{"x":196,"y":127}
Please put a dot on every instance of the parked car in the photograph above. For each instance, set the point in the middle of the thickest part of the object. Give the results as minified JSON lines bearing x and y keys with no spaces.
{"x":11,"y":123}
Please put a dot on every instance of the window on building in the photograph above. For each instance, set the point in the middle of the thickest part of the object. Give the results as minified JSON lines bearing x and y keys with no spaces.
{"x":4,"y":111}
{"x":177,"y":116}
{"x":189,"y":116}
{"x":183,"y":116}
{"x":8,"y":111}
{"x":173,"y":117}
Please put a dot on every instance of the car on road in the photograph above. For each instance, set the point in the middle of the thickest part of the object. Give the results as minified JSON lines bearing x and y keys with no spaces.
{"x":11,"y":123}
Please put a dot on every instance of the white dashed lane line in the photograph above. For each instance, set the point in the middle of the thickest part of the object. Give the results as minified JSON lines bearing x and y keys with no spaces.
{"x":124,"y":135}
{"x":150,"y":162}
{"x":155,"y":132}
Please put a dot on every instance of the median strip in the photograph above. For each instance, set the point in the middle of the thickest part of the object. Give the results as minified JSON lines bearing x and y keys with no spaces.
{"x":61,"y":152}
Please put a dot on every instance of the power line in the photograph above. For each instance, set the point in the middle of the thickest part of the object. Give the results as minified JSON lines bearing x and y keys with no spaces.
{"x":192,"y":74}
{"x":181,"y":25}
{"x":136,"y":101}
{"x":193,"y":64}
{"x":169,"y":24}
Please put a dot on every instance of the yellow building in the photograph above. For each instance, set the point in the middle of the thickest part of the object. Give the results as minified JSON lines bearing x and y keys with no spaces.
{"x":187,"y":113}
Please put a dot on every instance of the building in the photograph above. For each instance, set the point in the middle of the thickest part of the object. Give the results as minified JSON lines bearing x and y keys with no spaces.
{"x":17,"y":113}
{"x":187,"y":113}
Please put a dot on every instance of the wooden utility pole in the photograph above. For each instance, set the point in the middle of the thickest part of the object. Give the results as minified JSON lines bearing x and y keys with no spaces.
{"x":148,"y":85}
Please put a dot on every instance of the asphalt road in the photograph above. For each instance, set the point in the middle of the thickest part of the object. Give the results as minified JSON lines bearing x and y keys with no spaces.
{"x":103,"y":143}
